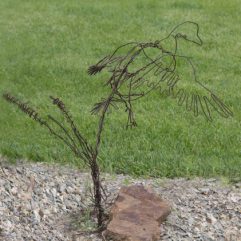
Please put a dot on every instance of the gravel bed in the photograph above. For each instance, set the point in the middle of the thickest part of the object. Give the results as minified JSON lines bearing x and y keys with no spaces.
{"x":40,"y":202}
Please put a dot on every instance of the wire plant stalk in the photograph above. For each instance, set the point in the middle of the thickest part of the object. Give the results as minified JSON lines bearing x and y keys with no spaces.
{"x":75,"y":141}
{"x":95,"y":170}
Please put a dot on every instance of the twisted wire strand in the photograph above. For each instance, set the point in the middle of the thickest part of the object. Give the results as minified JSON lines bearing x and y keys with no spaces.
{"x":33,"y":114}
{"x":86,"y":149}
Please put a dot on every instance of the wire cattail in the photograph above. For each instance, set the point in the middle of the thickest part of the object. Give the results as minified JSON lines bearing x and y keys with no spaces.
{"x":24,"y":107}
{"x":59,"y":103}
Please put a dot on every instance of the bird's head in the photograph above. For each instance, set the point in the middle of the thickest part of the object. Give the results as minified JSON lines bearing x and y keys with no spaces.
{"x":188,"y":31}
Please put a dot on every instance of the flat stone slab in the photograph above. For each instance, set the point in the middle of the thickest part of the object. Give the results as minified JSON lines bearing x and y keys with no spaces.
{"x":136,"y":215}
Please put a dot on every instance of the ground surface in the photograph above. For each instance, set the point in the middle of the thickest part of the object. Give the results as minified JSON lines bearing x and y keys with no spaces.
{"x":47,"y":46}
{"x":43,"y":202}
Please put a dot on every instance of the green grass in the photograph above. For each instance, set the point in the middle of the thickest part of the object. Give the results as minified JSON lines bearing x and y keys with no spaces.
{"x":47,"y":46}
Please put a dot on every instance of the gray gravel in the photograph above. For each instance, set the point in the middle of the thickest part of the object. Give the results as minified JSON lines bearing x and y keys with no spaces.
{"x":41,"y":202}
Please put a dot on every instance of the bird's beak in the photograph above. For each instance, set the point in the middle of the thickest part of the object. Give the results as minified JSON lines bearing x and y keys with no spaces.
{"x":197,"y":40}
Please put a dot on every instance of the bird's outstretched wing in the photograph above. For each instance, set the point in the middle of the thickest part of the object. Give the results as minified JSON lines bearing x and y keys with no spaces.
{"x":192,"y":94}
{"x":115,"y":60}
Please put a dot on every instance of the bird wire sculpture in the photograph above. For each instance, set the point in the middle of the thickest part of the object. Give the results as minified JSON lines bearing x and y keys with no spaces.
{"x":132,"y":79}
{"x":136,"y":70}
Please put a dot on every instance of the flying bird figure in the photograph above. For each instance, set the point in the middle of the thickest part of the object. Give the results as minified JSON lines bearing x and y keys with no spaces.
{"x":138,"y":68}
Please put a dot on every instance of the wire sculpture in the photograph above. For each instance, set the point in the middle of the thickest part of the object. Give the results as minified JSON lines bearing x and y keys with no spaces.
{"x":136,"y":70}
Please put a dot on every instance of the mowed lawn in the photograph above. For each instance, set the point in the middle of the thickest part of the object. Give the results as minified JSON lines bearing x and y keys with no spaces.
{"x":46,"y":47}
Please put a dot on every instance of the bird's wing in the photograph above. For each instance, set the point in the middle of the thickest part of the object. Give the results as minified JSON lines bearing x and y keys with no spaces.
{"x":192,"y":94}
{"x":114,"y":60}
{"x":146,"y":75}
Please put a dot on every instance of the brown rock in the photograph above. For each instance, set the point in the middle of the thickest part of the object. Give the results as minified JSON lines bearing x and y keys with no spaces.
{"x":136,"y":215}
